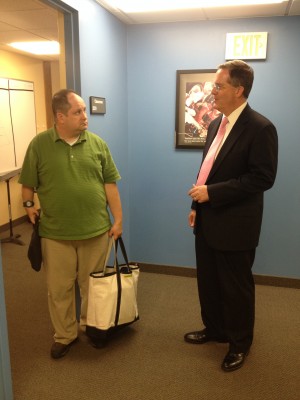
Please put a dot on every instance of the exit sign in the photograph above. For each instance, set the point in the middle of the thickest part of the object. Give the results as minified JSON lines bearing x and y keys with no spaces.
{"x":246,"y":45}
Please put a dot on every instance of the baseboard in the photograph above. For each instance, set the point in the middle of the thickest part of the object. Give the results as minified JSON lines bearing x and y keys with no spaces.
{"x":279,"y":281}
{"x":168,"y":270}
{"x":15,"y":222}
{"x":191,"y":273}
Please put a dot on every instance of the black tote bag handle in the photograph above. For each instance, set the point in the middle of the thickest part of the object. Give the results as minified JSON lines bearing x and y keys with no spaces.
{"x":123,"y":250}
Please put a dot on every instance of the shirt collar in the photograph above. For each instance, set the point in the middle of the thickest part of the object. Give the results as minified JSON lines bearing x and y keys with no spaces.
{"x":56,"y":137}
{"x":232,"y":118}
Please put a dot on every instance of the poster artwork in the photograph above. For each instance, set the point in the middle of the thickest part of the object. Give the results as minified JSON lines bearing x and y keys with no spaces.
{"x":199,"y":111}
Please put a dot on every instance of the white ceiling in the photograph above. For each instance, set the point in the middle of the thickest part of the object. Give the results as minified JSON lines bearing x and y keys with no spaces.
{"x":28,"y":20}
{"x":288,"y":7}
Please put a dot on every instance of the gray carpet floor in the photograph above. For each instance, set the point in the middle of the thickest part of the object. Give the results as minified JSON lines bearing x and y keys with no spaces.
{"x":149,"y":360}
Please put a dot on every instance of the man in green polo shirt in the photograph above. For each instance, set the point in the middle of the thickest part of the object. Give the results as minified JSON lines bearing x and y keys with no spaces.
{"x":75,"y":177}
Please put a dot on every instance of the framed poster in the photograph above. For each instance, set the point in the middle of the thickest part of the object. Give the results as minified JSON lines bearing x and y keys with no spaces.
{"x":194,"y":107}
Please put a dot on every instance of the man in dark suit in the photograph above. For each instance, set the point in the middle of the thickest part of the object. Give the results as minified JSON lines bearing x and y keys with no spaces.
{"x":227,"y":213}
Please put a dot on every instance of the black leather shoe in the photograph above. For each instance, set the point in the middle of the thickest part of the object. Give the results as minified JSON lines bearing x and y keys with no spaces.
{"x":59,"y":350}
{"x":98,"y":343}
{"x":233,"y":361}
{"x":201,"y":337}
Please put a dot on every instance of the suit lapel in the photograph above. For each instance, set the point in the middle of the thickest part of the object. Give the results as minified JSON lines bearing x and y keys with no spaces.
{"x":234,"y":135}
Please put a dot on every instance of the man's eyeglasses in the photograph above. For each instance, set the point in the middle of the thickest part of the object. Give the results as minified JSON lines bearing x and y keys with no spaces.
{"x":217,"y":87}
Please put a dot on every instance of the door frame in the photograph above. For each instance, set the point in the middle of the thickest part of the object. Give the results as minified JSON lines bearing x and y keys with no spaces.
{"x":72,"y":51}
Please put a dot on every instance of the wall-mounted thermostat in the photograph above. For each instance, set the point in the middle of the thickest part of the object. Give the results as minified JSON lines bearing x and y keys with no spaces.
{"x":97,"y":105}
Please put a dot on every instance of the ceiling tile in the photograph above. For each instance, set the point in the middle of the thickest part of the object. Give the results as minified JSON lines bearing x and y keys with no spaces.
{"x":30,"y":19}
{"x":246,"y":11}
{"x":166,"y":16}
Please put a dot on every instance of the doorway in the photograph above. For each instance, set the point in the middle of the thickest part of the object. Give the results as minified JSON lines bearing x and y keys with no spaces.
{"x":72,"y":77}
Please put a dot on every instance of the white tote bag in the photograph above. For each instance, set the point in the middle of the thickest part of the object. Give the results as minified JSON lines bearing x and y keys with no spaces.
{"x":112,"y":298}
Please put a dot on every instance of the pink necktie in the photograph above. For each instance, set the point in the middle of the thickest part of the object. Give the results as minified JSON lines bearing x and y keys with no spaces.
{"x":211,"y":155}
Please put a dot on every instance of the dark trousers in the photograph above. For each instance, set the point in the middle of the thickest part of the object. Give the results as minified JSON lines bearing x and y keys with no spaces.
{"x":227,"y":293}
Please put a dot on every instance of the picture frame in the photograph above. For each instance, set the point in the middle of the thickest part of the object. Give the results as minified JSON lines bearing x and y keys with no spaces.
{"x":194,"y":107}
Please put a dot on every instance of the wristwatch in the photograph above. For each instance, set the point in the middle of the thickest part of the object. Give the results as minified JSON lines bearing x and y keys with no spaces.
{"x":28,"y":204}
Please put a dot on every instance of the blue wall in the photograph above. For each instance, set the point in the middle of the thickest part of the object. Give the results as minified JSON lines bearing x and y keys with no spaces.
{"x":134,"y":67}
{"x":160,"y":175}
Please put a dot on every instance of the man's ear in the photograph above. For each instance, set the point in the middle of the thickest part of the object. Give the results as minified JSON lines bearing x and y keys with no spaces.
{"x":240,"y":91}
{"x":60,"y":117}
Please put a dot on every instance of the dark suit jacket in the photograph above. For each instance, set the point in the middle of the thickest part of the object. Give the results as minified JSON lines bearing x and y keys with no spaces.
{"x":244,"y":168}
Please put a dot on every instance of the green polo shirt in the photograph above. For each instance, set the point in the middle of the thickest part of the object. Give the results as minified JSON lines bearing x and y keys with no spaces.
{"x":69,"y":181}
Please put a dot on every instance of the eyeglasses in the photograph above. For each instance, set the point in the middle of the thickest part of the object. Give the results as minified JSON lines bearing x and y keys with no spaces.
{"x":217,"y":87}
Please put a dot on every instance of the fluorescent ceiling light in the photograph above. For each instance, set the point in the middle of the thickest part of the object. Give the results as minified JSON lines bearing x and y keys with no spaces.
{"x":38,"y":48}
{"x":131,"y":6}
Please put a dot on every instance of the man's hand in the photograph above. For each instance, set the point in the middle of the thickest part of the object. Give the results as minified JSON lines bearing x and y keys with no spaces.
{"x":192,"y":218}
{"x":115,"y":231}
{"x":199,"y":193}
{"x":32,"y":213}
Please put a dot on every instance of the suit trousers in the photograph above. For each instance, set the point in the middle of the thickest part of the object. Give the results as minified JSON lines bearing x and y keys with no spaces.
{"x":227,"y":293}
{"x":66,"y":261}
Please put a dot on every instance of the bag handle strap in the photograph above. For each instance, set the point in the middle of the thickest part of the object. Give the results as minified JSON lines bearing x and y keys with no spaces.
{"x":113,"y":244}
{"x":110,"y":245}
{"x":123,"y":250}
{"x":116,"y":264}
